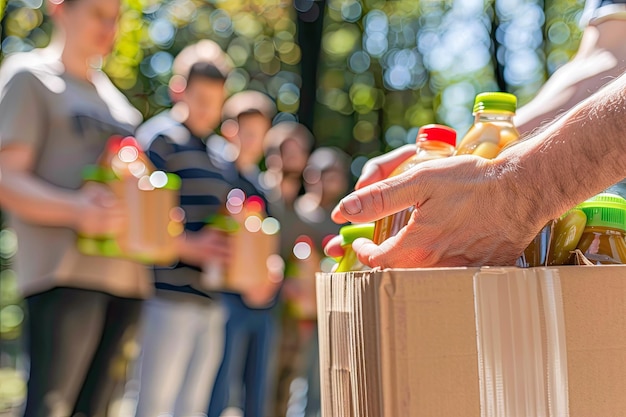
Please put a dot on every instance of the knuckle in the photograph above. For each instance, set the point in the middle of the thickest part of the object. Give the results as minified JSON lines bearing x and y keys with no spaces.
{"x":377,"y":197}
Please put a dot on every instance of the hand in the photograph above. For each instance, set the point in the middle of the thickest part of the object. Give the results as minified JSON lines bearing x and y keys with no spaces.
{"x":379,"y":168}
{"x":469,"y":212}
{"x":206,"y":245}
{"x":99,"y":212}
{"x":261,"y":295}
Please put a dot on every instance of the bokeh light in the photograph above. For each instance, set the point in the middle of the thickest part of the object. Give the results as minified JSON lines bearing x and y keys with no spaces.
{"x":385,"y":67}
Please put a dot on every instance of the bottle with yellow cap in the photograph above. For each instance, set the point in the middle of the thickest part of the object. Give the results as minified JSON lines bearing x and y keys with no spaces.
{"x":350,"y":233}
{"x":602,"y":241}
{"x":433,"y":142}
{"x":493,"y":127}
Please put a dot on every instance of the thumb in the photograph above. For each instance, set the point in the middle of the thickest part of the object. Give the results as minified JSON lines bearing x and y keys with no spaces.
{"x":382,"y":166}
{"x":380,"y":199}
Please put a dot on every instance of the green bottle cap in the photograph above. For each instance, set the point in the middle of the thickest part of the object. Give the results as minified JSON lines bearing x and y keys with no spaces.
{"x":223,"y":223}
{"x":495,"y":102}
{"x":96,"y":173}
{"x":173,"y":182}
{"x":352,"y":232}
{"x":605,"y":210}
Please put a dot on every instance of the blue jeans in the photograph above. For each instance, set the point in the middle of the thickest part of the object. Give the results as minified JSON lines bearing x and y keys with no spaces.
{"x":246,"y":378}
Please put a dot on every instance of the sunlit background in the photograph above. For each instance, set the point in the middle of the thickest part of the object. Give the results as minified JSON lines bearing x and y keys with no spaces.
{"x":384,"y":69}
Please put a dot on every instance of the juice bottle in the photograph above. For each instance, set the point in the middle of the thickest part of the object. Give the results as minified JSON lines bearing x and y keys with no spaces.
{"x":100,"y":245}
{"x":568,"y":230}
{"x":493,"y":127}
{"x":349,"y":233}
{"x":602,"y":241}
{"x":433,"y":142}
{"x":300,"y":292}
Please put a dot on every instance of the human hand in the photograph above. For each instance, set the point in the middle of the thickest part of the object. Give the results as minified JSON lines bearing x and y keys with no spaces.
{"x":206,"y":245}
{"x":468,"y":213}
{"x":98,"y":211}
{"x":381,"y":167}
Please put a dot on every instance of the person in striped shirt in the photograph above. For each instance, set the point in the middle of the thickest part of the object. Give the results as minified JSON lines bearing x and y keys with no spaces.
{"x":183,"y":331}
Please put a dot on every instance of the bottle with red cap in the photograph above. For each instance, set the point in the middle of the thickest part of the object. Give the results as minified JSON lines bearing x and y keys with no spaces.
{"x":433,"y":142}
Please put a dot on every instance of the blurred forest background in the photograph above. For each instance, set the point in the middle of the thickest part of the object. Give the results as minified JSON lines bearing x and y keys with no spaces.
{"x":363,"y":75}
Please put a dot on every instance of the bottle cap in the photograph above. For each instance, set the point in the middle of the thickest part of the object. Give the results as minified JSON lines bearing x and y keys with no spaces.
{"x":438,"y":133}
{"x":96,"y":173}
{"x":605,"y":210}
{"x":222,"y":223}
{"x":495,"y":101}
{"x":352,"y":232}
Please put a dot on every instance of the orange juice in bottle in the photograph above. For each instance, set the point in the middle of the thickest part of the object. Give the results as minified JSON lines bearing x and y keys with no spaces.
{"x":433,"y":142}
{"x":493,"y":127}
{"x":603,"y":241}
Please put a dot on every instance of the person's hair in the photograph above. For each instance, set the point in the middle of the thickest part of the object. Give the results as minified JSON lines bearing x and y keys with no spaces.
{"x":248,"y":103}
{"x":204,"y":70}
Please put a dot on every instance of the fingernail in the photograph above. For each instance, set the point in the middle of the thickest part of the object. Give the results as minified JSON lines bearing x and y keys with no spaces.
{"x":352,"y":204}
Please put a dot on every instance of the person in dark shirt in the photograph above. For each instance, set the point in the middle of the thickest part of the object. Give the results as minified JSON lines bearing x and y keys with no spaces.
{"x":246,"y":376}
{"x":183,"y":324}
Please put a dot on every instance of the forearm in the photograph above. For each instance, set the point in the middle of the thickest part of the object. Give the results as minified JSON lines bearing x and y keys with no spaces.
{"x":576,"y":157}
{"x":36,"y":201}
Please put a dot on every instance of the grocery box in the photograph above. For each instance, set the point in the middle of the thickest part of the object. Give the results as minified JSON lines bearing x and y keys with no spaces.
{"x":474,"y":342}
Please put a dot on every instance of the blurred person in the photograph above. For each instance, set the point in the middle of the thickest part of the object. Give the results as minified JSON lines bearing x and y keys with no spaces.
{"x":326,"y":180}
{"x":57,"y":110}
{"x":601,"y":57}
{"x":183,"y":329}
{"x":246,"y":379}
{"x":287,"y":147}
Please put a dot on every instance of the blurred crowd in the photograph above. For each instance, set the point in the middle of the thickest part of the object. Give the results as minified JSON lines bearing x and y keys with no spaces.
{"x":103,"y":328}
{"x":166,"y":340}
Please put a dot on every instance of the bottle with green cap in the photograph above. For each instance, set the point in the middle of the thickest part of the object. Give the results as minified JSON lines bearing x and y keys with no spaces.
{"x":603,"y":240}
{"x":493,"y":127}
{"x":103,"y":245}
{"x":350,"y":233}
{"x":433,"y":142}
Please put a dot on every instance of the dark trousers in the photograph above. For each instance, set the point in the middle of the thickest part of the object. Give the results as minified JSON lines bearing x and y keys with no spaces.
{"x":74,"y":335}
{"x":246,"y":378}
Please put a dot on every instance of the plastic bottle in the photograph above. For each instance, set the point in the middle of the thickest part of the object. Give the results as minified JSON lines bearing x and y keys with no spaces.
{"x":602,"y":241}
{"x":568,"y":230}
{"x":493,"y":127}
{"x":349,"y":233}
{"x":305,"y":262}
{"x":433,"y":142}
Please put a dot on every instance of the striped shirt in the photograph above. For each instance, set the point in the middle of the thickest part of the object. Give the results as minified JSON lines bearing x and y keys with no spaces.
{"x":203,"y":192}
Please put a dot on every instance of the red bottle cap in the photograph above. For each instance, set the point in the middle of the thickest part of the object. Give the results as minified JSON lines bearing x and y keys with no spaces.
{"x":130,"y":141}
{"x":439,"y":133}
{"x":114,"y":144}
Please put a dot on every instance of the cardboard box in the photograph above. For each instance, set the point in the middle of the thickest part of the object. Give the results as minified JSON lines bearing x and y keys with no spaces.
{"x":474,"y":342}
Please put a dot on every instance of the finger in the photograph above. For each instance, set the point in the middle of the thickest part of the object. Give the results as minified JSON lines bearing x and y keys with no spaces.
{"x":382,"y":198}
{"x":381,"y":167}
{"x":368,"y":252}
{"x":390,"y":254}
{"x":333,"y":247}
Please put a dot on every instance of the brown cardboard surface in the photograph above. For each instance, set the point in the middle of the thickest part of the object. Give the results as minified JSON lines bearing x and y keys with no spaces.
{"x":404,"y":342}
{"x":594,"y":302}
